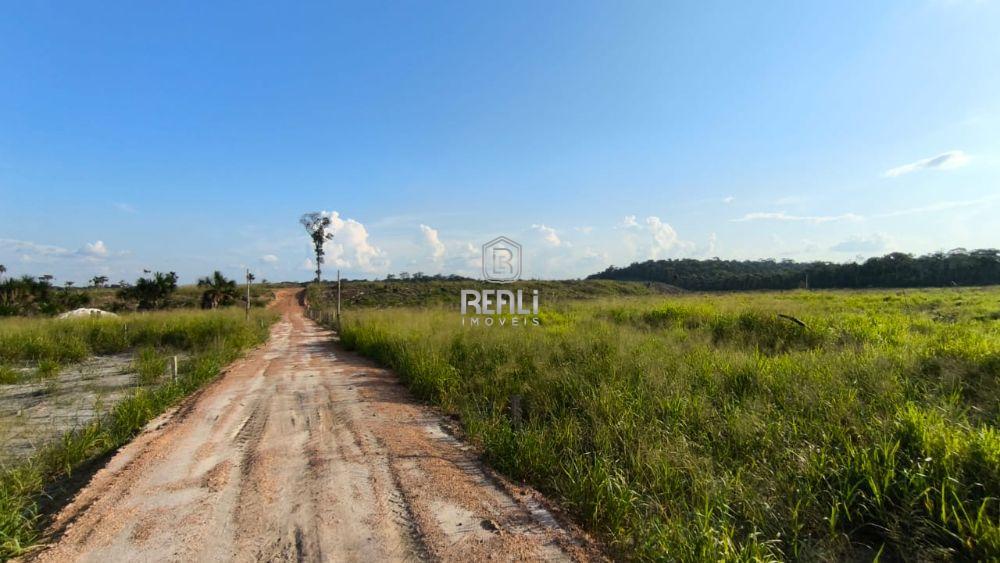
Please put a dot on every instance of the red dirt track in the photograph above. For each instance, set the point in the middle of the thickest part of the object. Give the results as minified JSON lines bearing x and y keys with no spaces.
{"x":304,"y":452}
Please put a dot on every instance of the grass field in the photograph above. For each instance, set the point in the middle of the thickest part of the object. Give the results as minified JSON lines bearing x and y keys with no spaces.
{"x":700,"y":427}
{"x":382,"y":294}
{"x":186,"y":297}
{"x":208,"y":341}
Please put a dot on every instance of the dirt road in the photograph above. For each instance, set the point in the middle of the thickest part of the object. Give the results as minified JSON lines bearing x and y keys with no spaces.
{"x":304,"y":452}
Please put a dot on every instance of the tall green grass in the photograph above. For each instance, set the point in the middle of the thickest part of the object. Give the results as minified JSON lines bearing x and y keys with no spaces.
{"x":709,"y":427}
{"x":213,"y":339}
{"x":71,"y":340}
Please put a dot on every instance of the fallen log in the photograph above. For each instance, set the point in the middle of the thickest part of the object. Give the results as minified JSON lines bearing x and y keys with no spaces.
{"x":793,"y":319}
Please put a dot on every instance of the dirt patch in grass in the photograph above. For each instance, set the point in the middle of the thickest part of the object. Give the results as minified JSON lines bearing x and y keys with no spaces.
{"x":39,"y":410}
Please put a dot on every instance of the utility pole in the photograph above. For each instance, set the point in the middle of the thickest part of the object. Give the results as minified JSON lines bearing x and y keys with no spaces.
{"x":248,"y":294}
{"x":338,"y":300}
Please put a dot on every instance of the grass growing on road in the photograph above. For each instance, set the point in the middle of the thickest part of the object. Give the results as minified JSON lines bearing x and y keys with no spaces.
{"x":709,"y":427}
{"x":212,"y":339}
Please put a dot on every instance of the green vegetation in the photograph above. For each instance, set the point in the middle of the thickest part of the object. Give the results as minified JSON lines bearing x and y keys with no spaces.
{"x":421,"y":290}
{"x":318,"y":225}
{"x":149,"y":365}
{"x":72,"y":340}
{"x":28,"y":296}
{"x":218,"y":291}
{"x":152,"y":292}
{"x":692,"y":427}
{"x":211,"y":340}
{"x":957,"y":267}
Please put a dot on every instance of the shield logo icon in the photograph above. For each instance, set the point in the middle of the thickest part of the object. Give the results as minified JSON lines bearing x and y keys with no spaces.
{"x":502,"y":260}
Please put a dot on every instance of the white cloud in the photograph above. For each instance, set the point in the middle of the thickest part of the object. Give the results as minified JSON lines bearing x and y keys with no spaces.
{"x":728,"y":199}
{"x":664,"y":236}
{"x":34,"y":252}
{"x":710,"y":247}
{"x":350,"y":247}
{"x":432,"y":239}
{"x":651,"y":239}
{"x":782,"y":216}
{"x":308,"y":264}
{"x":862,"y":243}
{"x":96,"y":249}
{"x":629,"y":221}
{"x":269,"y":259}
{"x":584,"y":230}
{"x":549,"y":234}
{"x":591,"y":254}
{"x":944,"y":161}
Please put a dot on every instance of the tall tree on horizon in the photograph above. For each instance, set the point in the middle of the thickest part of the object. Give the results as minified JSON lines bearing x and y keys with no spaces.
{"x":316,"y":225}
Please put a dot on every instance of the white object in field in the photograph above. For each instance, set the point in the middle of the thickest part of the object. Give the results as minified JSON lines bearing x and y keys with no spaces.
{"x":86,"y":312}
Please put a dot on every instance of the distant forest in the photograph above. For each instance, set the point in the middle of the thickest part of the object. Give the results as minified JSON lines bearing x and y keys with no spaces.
{"x":940,"y":269}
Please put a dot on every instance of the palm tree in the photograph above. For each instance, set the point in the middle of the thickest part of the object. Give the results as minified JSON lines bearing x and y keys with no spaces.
{"x":218,"y":290}
{"x":3,"y":270}
{"x":99,"y":281}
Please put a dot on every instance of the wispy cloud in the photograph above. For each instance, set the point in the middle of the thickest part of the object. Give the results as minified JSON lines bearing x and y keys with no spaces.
{"x":862,"y":243}
{"x":269,"y":259}
{"x":944,"y":161}
{"x":125,"y":207}
{"x":789,"y":200}
{"x":709,"y":250}
{"x":32,"y":248}
{"x":728,"y":199}
{"x":30,"y":251}
{"x":929,"y":208}
{"x":938,"y":206}
{"x":549,"y":234}
{"x":782,"y":216}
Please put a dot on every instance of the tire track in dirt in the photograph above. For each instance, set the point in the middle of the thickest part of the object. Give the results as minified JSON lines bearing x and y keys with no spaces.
{"x":304,"y":452}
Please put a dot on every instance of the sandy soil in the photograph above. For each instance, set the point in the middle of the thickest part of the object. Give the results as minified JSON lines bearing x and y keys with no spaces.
{"x":305,"y":452}
{"x":37,"y":412}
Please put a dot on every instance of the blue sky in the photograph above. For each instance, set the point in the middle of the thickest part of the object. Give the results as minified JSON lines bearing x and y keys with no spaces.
{"x":191,"y":137}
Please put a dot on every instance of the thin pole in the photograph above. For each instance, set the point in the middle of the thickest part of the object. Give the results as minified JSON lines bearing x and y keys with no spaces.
{"x":248,"y":293}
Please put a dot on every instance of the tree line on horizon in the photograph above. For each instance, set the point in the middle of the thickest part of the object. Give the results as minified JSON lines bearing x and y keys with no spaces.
{"x":958,"y":267}
{"x":29,"y":295}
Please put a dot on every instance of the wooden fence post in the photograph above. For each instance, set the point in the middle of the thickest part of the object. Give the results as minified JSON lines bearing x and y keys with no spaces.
{"x":515,"y":411}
